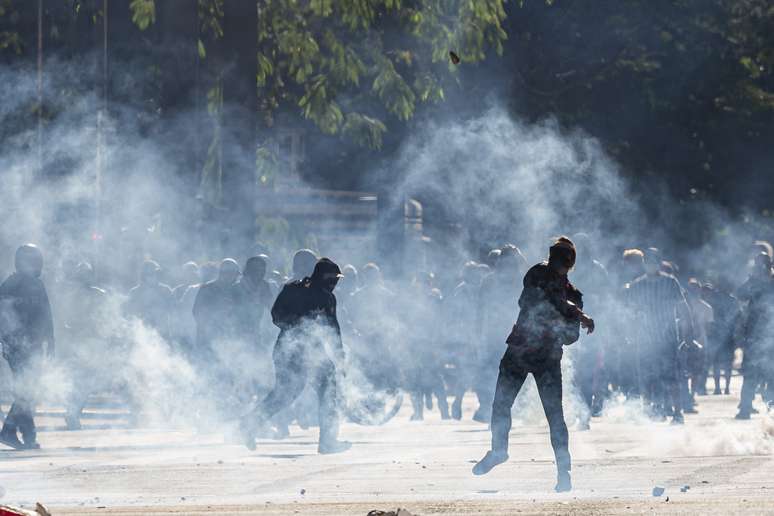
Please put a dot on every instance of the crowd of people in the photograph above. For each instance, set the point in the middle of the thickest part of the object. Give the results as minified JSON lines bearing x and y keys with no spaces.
{"x":435,"y":335}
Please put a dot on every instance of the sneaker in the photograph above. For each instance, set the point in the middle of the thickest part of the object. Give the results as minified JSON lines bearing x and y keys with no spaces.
{"x":490,"y":460}
{"x":563,"y":482}
{"x":11,"y":440}
{"x":34,"y":445}
{"x":333,"y":447}
{"x":742,"y":415}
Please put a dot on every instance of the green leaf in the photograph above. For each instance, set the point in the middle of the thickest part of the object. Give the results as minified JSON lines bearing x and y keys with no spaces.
{"x":143,"y":13}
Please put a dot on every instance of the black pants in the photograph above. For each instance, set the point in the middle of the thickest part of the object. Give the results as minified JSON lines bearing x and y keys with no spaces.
{"x":294,"y":367}
{"x":662,"y":379}
{"x":755,"y":374}
{"x":548,"y":377}
{"x":20,"y":416}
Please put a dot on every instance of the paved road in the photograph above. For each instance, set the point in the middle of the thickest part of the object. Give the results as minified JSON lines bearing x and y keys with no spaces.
{"x":424,"y":467}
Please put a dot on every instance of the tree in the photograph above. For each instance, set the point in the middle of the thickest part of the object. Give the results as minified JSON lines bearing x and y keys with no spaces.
{"x":349,"y":66}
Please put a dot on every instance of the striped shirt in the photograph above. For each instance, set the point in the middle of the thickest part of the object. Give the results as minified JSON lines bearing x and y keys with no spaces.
{"x":656,"y":300}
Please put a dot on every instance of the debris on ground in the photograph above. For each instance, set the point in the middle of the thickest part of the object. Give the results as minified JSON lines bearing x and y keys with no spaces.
{"x":658,"y":491}
{"x":396,"y":512}
{"x":685,"y":488}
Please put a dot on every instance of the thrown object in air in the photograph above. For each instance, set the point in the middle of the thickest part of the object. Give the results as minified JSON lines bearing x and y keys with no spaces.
{"x":455,"y":59}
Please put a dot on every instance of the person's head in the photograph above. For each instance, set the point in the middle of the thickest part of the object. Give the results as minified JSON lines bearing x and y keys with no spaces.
{"x":208,"y":271}
{"x":255,"y":269}
{"x":304,"y":261}
{"x":652,"y":261}
{"x":633,"y":263}
{"x":763,"y":246}
{"x":84,"y":274}
{"x":561,"y":255}
{"x":762,"y":265}
{"x":150,"y":272}
{"x":493,"y":257}
{"x":348,"y":283}
{"x":326,"y":274}
{"x":229,"y":271}
{"x":190,"y":273}
{"x":511,"y":260}
{"x":371,"y":275}
{"x":694,"y":287}
{"x":29,"y":260}
{"x":483,"y":271}
{"x":470,"y":273}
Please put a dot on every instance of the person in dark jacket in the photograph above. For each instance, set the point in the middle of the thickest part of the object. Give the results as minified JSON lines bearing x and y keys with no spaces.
{"x":214,"y":311}
{"x":253,"y":299}
{"x":661,"y":324}
{"x":550,"y":317}
{"x":757,"y":325}
{"x":83,"y":339}
{"x":305,"y":312}
{"x":27,"y":334}
{"x":151,"y":301}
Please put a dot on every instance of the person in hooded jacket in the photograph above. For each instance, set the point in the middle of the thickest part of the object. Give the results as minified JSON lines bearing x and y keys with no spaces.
{"x":151,"y":301}
{"x":550,"y":318}
{"x":27,"y":334}
{"x":214,"y":311}
{"x":307,"y":349}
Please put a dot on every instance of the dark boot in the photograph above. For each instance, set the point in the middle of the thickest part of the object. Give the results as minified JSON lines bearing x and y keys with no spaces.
{"x":9,"y":438}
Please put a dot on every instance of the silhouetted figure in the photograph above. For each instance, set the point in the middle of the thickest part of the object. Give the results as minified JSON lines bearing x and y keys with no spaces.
{"x":550,"y":317}
{"x":495,"y":308}
{"x":380,"y":324}
{"x":757,"y":326}
{"x":461,"y":315}
{"x":720,"y":353}
{"x":703,"y":316}
{"x":215,"y":313}
{"x":27,"y":334}
{"x":307,"y":348}
{"x":426,"y":357}
{"x":254,"y":299}
{"x":84,"y":340}
{"x":624,"y":355}
{"x":186,"y":324}
{"x":304,"y":262}
{"x":661,"y":324}
{"x":190,"y":276}
{"x":588,"y":355}
{"x":151,"y":301}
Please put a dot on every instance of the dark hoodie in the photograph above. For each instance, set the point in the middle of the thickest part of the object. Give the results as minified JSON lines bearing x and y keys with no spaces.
{"x":25,"y":315}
